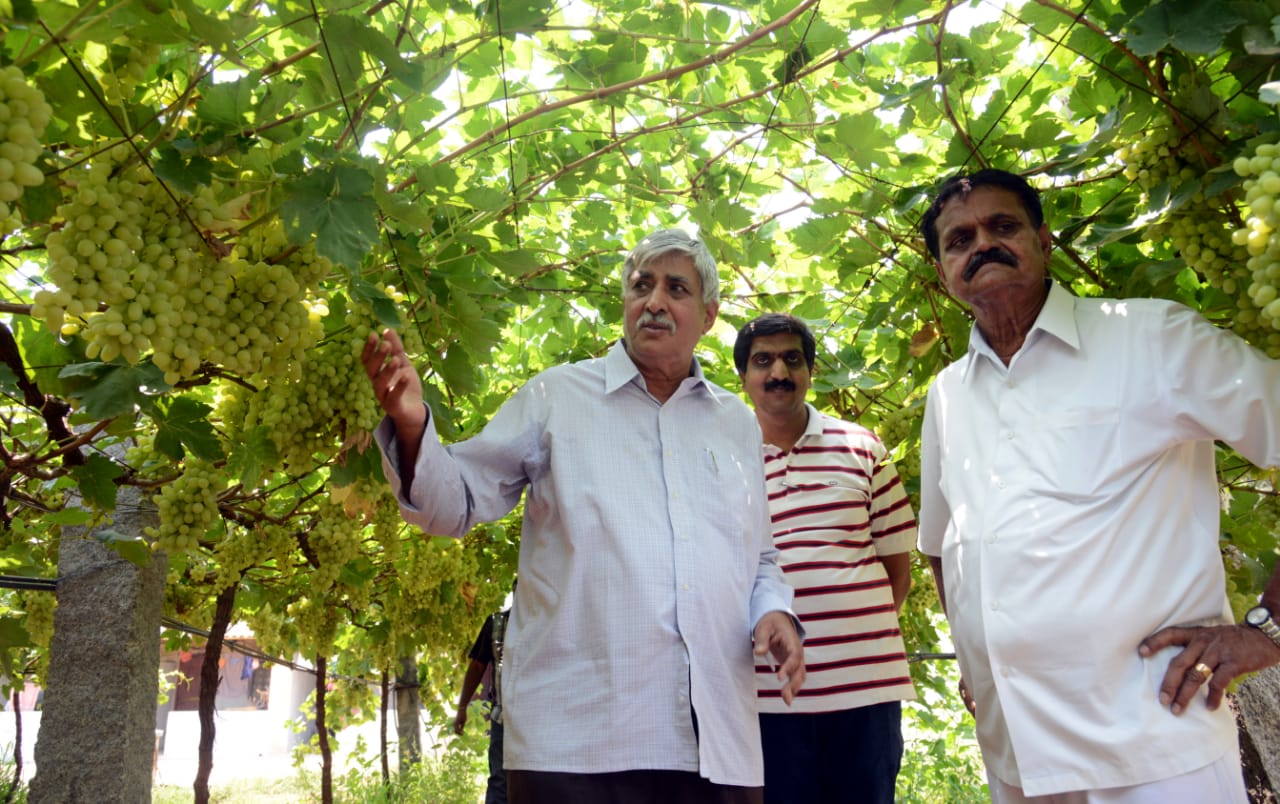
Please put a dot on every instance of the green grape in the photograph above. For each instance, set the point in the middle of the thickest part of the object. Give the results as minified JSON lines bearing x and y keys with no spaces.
{"x":1260,"y":240}
{"x":38,"y":609}
{"x":24,"y":115}
{"x":188,"y":508}
{"x":126,"y":67}
{"x":133,"y":274}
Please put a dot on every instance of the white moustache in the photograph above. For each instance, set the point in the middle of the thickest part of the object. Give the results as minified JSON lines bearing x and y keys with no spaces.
{"x":647,"y":318}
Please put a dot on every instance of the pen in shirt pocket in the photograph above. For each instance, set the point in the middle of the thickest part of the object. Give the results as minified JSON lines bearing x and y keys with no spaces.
{"x":715,"y":465}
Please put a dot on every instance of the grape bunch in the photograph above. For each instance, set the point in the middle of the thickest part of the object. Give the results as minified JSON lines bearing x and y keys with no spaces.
{"x":188,"y":508}
{"x":334,"y":539}
{"x":133,"y":273}
{"x":244,"y":548}
{"x":1260,"y":239}
{"x":316,"y":623}
{"x":38,"y":608}
{"x":324,"y":402}
{"x":125,"y":66}
{"x":24,"y":115}
{"x":125,"y":246}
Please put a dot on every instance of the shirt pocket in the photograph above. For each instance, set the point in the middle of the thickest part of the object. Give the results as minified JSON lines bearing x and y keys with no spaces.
{"x":1074,"y":452}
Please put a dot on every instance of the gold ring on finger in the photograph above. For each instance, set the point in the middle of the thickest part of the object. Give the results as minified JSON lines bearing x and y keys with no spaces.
{"x":1203,"y":670}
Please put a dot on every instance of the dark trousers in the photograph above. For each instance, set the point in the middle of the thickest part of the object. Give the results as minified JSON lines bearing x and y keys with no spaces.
{"x":848,"y":756}
{"x":624,"y":787}
{"x":496,"y":791}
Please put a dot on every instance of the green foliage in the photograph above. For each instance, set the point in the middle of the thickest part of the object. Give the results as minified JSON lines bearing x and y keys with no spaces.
{"x":277,"y":183}
{"x":940,"y":763}
{"x":454,"y":776}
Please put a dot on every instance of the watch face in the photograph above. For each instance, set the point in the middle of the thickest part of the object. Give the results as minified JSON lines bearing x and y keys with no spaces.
{"x":1257,"y":615}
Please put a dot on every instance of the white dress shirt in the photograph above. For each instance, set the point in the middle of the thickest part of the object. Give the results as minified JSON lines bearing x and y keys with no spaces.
{"x":645,"y":562}
{"x":1073,"y":500}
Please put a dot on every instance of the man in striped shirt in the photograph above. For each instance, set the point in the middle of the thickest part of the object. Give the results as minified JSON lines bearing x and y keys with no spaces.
{"x":844,"y":530}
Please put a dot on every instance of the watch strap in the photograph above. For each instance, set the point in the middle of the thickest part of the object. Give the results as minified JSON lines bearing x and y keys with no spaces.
{"x":1269,"y":627}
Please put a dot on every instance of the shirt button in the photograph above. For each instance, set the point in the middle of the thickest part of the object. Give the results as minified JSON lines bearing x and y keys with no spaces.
{"x":1004,"y":671}
{"x":993,"y":538}
{"x":1009,"y":435}
{"x":995,"y":605}
{"x":684,"y":586}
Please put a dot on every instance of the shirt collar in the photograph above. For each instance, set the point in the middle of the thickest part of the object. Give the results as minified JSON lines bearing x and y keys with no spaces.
{"x":1057,"y":318}
{"x":619,"y":369}
{"x":813,"y":427}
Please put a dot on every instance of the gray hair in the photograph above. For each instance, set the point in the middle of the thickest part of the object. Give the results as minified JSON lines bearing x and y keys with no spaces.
{"x":668,"y":241}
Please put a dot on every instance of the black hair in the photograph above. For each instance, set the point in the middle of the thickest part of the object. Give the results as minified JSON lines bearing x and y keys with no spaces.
{"x":773,"y":324}
{"x":962,"y":184}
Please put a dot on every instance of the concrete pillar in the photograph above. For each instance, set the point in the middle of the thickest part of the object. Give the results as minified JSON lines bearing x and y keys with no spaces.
{"x":301,"y":686}
{"x":97,"y":730}
{"x":1258,"y":716}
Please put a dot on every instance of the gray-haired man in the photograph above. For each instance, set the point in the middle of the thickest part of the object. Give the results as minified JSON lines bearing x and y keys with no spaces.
{"x":646,"y":560}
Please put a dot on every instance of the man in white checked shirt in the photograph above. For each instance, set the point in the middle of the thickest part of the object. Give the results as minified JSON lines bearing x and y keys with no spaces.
{"x":844,"y":530}
{"x":646,"y":566}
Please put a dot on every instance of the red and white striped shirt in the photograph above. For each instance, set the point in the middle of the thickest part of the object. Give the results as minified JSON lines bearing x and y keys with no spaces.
{"x":837,"y":505}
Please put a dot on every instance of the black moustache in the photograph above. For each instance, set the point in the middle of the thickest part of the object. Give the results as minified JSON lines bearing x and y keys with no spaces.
{"x":983,"y":257}
{"x":773,"y":385}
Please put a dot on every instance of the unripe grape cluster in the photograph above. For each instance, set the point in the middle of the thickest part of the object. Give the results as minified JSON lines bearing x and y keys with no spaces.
{"x":125,"y":67}
{"x":315,"y":622}
{"x":134,"y":274}
{"x":188,"y":508}
{"x":1260,"y":238}
{"x":24,"y":115}
{"x":244,"y":548}
{"x":1203,"y":231}
{"x":324,"y":401}
{"x":334,"y":539}
{"x":38,"y":608}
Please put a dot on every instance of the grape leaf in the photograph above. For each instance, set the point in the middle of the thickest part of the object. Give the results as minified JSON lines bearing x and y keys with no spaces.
{"x":337,"y":207}
{"x":96,"y":479}
{"x":112,"y":389}
{"x":253,"y":458}
{"x":134,"y":549}
{"x":1195,"y":26}
{"x":184,"y":425}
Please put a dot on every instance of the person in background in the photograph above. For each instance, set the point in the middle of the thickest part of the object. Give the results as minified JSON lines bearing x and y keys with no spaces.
{"x":483,"y":674}
{"x":647,"y":569}
{"x":1069,"y":510}
{"x":844,"y":530}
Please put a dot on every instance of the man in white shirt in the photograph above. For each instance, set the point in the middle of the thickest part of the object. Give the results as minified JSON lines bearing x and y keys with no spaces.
{"x":1069,"y":510}
{"x":646,"y":566}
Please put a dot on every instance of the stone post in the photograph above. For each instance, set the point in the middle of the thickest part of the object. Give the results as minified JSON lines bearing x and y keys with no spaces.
{"x":408,"y":705}
{"x":1258,"y":716}
{"x":97,"y":730}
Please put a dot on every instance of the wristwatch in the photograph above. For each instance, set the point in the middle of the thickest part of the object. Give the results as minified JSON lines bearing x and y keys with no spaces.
{"x":1260,"y":618}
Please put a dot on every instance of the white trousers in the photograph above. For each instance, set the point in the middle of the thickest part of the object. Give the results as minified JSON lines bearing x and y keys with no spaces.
{"x":1221,"y":782}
